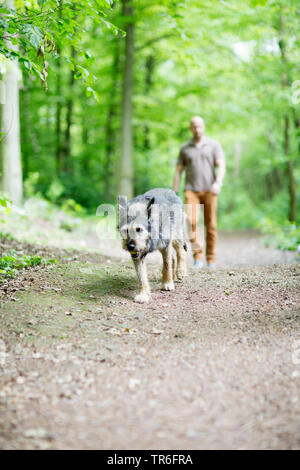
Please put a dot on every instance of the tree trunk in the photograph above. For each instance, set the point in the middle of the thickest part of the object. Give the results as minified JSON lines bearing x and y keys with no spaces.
{"x":25,"y":126}
{"x":236,"y":172}
{"x":290,"y":172}
{"x":12,"y":167}
{"x":59,"y":150}
{"x":59,"y":153}
{"x":289,"y":164}
{"x":297,"y":127}
{"x":148,"y":83}
{"x":109,"y":129}
{"x":125,"y":174}
{"x":1,"y":136}
{"x":69,"y":119}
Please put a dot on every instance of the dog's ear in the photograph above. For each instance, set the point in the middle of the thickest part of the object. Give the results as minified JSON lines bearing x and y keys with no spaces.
{"x":151,"y":201}
{"x":122,"y":211}
{"x":122,"y":201}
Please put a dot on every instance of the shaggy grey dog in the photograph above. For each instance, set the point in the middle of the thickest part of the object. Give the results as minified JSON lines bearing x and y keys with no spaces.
{"x":149,"y":222}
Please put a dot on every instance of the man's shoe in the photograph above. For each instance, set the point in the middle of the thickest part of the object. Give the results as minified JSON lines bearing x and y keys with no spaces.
{"x":211,"y":265}
{"x":198,"y":263}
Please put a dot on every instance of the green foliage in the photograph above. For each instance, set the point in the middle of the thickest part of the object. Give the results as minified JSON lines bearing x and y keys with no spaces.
{"x":30,"y":184}
{"x":217,"y":59}
{"x":285,"y":236}
{"x":72,"y":207}
{"x":4,"y":206}
{"x":67,"y":216}
{"x":55,"y":190}
{"x":11,"y":263}
{"x":242,"y":213}
{"x":36,"y":31}
{"x":4,"y":201}
{"x":6,"y":236}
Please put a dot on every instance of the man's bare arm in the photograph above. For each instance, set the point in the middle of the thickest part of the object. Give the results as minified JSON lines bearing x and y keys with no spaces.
{"x":221,"y":171}
{"x":216,"y":187}
{"x":176,"y":184}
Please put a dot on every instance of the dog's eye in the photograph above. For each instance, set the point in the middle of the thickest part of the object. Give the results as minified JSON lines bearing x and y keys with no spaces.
{"x":138,"y":229}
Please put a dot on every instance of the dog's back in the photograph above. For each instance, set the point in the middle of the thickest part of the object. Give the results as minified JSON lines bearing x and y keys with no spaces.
{"x":160,"y":195}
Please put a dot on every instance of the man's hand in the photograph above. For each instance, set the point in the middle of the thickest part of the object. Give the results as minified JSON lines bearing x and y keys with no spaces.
{"x":216,"y":188}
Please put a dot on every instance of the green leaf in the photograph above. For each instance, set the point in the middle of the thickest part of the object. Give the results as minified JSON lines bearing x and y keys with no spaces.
{"x":90,"y":91}
{"x":33,"y":34}
{"x":83,"y":71}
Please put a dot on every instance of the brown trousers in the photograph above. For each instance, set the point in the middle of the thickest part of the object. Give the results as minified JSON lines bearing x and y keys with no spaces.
{"x":193,"y":201}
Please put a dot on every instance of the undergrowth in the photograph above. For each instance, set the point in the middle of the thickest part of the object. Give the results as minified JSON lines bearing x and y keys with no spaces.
{"x":12,"y":262}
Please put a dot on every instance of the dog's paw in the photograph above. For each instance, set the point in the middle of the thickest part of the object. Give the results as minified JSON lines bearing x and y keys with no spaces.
{"x":168,"y":285}
{"x":180,"y":274}
{"x":142,"y":297}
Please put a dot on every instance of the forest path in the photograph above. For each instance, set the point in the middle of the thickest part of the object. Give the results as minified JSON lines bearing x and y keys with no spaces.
{"x":235,"y":248}
{"x":215,"y":364}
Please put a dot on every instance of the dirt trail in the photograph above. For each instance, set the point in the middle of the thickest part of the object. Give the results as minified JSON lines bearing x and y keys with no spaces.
{"x":215,"y":364}
{"x":237,"y":248}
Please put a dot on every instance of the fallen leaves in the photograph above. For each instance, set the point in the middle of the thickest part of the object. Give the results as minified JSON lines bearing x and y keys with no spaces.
{"x":55,"y":289}
{"x":131,"y":331}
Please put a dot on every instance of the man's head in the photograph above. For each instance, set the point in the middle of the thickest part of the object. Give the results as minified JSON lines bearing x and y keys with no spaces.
{"x":197,"y":127}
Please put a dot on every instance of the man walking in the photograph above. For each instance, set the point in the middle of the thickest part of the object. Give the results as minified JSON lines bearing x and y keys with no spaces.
{"x":199,"y":157}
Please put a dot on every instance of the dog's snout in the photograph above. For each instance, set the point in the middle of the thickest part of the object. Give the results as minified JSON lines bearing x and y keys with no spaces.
{"x":131,"y":245}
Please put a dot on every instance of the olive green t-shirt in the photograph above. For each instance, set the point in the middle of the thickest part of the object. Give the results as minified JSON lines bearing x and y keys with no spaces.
{"x":199,"y":163}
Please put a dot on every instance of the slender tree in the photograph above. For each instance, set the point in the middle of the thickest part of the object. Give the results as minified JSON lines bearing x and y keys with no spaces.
{"x":109,"y":127}
{"x":58,"y":118}
{"x":149,"y":66}
{"x":11,"y":150}
{"x":289,"y":163}
{"x":125,"y":173}
{"x":69,"y":118}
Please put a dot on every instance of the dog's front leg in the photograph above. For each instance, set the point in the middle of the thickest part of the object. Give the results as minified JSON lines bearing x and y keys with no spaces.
{"x":141,"y":270}
{"x":167,"y":271}
{"x":181,"y":260}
